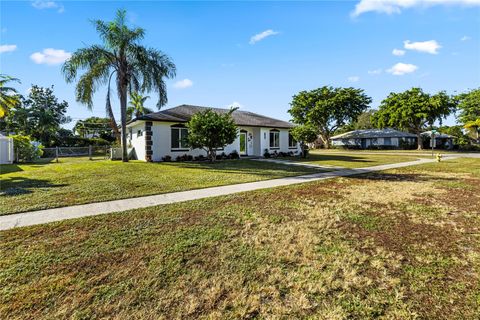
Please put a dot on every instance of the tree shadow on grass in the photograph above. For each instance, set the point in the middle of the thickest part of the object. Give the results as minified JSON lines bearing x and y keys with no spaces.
{"x":331,"y":157}
{"x":9,"y":168}
{"x":399,"y":177}
{"x":246,"y":167}
{"x":15,"y":186}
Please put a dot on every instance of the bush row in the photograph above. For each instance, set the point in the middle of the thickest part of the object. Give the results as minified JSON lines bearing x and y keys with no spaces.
{"x":275,"y":154}
{"x":188,"y":157}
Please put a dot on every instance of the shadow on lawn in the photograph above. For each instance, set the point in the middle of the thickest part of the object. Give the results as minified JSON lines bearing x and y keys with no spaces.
{"x":9,"y":168}
{"x":244,"y":167}
{"x":330,"y":157}
{"x":15,"y":186}
{"x":399,"y":177}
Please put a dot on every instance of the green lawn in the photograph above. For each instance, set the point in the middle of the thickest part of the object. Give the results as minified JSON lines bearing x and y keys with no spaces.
{"x":28,"y":187}
{"x":352,"y":159}
{"x":399,"y":244}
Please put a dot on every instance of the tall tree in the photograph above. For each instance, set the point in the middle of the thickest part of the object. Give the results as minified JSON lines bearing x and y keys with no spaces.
{"x":9,"y":97}
{"x":95,"y":126}
{"x":136,"y":68}
{"x":210,"y":131}
{"x":328,"y":108}
{"x":363,"y":122}
{"x":413,"y":110}
{"x":469,"y":115}
{"x":39,"y":115}
{"x":136,"y":107}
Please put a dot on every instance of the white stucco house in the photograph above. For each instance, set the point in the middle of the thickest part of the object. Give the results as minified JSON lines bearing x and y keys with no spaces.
{"x":156,"y":135}
{"x":363,"y":139}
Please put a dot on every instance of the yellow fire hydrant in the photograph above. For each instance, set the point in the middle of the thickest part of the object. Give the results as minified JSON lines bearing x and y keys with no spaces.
{"x":439,"y":157}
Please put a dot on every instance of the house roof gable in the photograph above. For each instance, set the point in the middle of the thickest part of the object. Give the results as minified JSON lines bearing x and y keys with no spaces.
{"x":184,"y":112}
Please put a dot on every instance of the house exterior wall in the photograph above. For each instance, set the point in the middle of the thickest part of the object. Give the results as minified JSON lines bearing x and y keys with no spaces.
{"x":258,"y":139}
{"x":137,"y":141}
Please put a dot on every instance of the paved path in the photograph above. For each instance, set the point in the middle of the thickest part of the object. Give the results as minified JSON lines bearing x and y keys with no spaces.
{"x":93,"y":209}
{"x":298,"y":164}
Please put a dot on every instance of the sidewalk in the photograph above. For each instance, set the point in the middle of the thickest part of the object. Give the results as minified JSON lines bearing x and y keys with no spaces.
{"x":93,"y":209}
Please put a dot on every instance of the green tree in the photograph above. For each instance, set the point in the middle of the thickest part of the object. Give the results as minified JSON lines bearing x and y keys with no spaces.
{"x":469,"y":115}
{"x":136,"y":106}
{"x":413,"y":110}
{"x":363,"y":122}
{"x":304,"y":134}
{"x":9,"y":97}
{"x":210,"y":131}
{"x":94,"y":127}
{"x":135,"y":67}
{"x":39,"y":115}
{"x":456,"y":131}
{"x":328,"y":108}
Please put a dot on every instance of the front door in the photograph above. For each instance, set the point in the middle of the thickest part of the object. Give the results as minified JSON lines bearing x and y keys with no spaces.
{"x":243,"y":143}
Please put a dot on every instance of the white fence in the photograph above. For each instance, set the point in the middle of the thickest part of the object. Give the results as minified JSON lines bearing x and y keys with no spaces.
{"x":6,"y":150}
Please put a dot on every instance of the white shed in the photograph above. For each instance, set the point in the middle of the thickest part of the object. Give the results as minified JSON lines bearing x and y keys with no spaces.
{"x":6,"y":150}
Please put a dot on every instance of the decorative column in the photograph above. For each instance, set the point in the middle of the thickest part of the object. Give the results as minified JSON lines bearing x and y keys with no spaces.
{"x":148,"y":141}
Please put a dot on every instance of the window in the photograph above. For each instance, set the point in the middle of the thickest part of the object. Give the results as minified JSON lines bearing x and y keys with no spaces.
{"x":179,"y":138}
{"x":130,"y":133}
{"x":139,"y":133}
{"x":291,"y":141}
{"x":274,"y":139}
{"x":387,"y":141}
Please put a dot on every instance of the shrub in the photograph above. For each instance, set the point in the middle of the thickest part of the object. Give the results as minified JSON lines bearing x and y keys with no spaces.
{"x":234,"y":155}
{"x":167,"y":158}
{"x":266,"y":154}
{"x":222,"y":156}
{"x":25,"y":149}
{"x":189,"y":157}
{"x":183,"y":157}
{"x":469,"y":147}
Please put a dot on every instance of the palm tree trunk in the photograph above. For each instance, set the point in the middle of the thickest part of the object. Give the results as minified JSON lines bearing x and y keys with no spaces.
{"x":123,"y":112}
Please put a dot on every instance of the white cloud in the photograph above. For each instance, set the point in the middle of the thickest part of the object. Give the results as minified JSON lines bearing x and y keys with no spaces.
{"x":41,"y":4}
{"x":262,"y":35}
{"x":50,"y":56}
{"x":396,"y":6}
{"x":353,"y":79}
{"x":465,"y":38}
{"x":236,"y":104}
{"x":398,"y":52}
{"x":182,"y":84}
{"x":376,"y":71}
{"x":430,"y":46}
{"x":400,"y":69}
{"x":8,"y":48}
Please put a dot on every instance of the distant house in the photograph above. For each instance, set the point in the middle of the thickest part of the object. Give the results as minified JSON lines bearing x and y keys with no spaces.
{"x":441,"y":140}
{"x":374,"y":138}
{"x":163,"y":133}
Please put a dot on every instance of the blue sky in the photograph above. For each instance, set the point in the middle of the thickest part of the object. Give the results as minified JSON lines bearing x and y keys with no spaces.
{"x":258,"y":54}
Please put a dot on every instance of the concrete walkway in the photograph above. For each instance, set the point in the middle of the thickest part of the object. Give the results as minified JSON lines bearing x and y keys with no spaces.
{"x":298,"y":164}
{"x":93,"y":209}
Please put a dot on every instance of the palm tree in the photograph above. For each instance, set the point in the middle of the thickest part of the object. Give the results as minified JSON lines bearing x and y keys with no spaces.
{"x":136,"y":107}
{"x":136,"y":68}
{"x":9,"y":97}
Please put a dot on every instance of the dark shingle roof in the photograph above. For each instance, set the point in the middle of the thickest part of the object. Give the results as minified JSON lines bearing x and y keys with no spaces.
{"x":374,"y":133}
{"x":184,"y":112}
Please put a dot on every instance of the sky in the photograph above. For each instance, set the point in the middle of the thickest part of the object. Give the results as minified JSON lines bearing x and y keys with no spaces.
{"x":256,"y":55}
